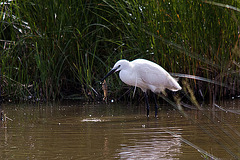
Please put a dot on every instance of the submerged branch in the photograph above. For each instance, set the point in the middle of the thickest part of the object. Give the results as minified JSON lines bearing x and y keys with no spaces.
{"x":192,"y":145}
{"x":223,"y":5}
{"x":201,"y":79}
{"x":226,"y":110}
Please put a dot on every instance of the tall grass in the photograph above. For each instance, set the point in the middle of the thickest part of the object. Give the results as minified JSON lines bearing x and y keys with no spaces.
{"x":61,"y":49}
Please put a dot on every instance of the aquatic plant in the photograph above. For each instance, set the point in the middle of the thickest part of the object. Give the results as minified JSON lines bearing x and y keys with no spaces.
{"x":61,"y":49}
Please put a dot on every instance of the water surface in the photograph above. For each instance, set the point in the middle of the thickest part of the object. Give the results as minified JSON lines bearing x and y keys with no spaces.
{"x":118,"y":131}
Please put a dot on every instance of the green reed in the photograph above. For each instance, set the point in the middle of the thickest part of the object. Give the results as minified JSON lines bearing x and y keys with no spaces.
{"x":61,"y":49}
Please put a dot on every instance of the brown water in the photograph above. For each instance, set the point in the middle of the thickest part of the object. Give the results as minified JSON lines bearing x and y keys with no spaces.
{"x":118,"y":131}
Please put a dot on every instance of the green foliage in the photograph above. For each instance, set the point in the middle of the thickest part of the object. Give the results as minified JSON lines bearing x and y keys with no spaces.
{"x":55,"y":49}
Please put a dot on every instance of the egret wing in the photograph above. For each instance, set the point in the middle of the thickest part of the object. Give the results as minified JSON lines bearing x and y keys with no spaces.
{"x":153,"y":75}
{"x":157,"y":78}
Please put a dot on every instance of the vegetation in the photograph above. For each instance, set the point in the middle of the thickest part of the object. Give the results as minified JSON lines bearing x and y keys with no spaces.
{"x":61,"y":49}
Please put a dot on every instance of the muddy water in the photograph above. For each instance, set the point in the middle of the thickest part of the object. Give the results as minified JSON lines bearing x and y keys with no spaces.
{"x":118,"y":131}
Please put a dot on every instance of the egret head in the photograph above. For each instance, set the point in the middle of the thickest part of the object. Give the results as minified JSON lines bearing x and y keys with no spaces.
{"x":119,"y":65}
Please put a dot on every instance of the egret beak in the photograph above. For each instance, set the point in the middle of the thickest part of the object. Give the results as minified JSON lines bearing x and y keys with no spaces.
{"x":110,"y":72}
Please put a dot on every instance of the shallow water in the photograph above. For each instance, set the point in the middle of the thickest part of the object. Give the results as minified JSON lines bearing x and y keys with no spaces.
{"x":118,"y":131}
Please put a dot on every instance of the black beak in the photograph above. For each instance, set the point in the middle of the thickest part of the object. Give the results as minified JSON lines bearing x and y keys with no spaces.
{"x":110,"y":72}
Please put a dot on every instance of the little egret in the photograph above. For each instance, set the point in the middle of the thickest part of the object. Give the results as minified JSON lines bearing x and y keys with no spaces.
{"x":146,"y":75}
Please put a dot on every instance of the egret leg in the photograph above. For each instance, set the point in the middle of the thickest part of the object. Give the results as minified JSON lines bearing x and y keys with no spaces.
{"x":146,"y":100}
{"x":156,"y":106}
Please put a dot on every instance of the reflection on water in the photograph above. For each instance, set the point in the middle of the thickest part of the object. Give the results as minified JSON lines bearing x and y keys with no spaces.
{"x":151,"y":143}
{"x":117,"y":132}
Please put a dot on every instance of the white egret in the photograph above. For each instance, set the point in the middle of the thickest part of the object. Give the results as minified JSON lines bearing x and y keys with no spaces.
{"x":146,"y":75}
